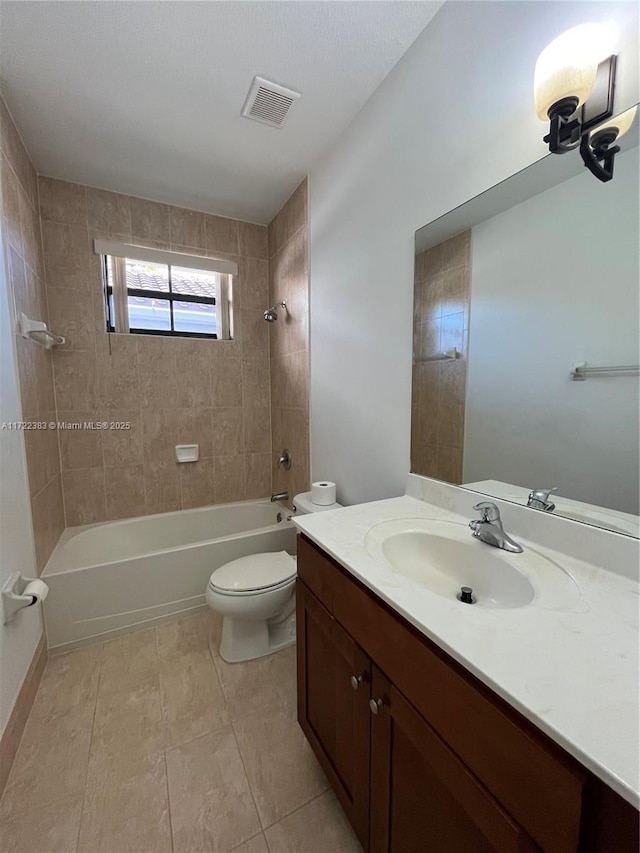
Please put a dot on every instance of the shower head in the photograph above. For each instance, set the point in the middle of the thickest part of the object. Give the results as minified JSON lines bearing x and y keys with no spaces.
{"x":271,"y":314}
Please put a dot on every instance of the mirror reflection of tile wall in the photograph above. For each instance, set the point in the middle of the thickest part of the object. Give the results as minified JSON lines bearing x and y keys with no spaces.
{"x":440,"y":322}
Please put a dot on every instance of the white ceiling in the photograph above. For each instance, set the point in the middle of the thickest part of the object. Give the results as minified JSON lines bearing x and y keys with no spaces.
{"x":145,"y":97}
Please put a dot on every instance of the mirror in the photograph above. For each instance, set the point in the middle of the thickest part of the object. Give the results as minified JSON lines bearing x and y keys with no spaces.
{"x":526,"y":342}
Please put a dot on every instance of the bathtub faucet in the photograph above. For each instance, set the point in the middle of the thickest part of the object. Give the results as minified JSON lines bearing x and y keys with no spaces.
{"x":280,"y":496}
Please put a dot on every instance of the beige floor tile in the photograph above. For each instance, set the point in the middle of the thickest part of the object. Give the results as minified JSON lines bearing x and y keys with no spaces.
{"x":50,"y":829}
{"x":211,"y":805}
{"x":129,"y":662}
{"x":70,"y":679}
{"x":282,"y":769}
{"x":126,"y":808}
{"x":129,"y":722}
{"x":318,"y":827}
{"x":176,"y":639}
{"x":259,"y":684}
{"x":213,"y":629}
{"x":51,"y":762}
{"x":257,"y":844}
{"x":192,"y":698}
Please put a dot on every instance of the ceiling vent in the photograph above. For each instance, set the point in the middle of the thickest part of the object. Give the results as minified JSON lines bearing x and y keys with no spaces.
{"x":268,"y":102}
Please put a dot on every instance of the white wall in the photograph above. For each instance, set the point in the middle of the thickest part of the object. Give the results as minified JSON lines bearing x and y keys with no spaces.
{"x":555,"y":280}
{"x":18,"y":639}
{"x":454,"y":117}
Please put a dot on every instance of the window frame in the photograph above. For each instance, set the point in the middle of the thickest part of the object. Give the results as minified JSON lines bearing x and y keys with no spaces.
{"x":118,"y":253}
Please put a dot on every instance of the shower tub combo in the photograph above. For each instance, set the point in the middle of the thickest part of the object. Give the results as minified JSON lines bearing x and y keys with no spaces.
{"x":110,"y":578}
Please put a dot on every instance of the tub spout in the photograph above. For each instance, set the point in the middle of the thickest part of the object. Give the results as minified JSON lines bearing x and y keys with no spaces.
{"x":280,"y":496}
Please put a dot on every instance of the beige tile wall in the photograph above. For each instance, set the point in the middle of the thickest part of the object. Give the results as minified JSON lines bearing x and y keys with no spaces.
{"x":23,"y":249}
{"x":440,"y":321}
{"x":289,"y":340}
{"x":171,"y":390}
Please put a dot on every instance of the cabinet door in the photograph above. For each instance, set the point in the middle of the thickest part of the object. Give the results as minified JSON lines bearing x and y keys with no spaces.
{"x":334,"y":680}
{"x":422,"y":797}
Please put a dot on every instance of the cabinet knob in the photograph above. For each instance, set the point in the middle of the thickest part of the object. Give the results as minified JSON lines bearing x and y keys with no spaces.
{"x":356,"y":681}
{"x":376,"y":705}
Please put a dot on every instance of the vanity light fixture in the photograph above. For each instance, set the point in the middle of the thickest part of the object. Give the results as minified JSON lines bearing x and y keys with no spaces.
{"x":573,"y":89}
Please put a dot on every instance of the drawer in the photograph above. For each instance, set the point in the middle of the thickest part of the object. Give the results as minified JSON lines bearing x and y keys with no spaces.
{"x":318,"y":571}
{"x":536,"y":781}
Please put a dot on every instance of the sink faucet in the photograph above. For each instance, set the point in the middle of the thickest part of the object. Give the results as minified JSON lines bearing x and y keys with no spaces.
{"x":280,"y":496}
{"x":539,"y":499}
{"x":488,"y":528}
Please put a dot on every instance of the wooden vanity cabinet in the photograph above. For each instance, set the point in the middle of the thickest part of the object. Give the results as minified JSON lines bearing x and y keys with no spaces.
{"x":334,"y":678}
{"x":422,"y":756}
{"x":422,"y":795}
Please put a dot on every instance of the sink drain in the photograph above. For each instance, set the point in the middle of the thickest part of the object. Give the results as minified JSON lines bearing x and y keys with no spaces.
{"x":466,"y":595}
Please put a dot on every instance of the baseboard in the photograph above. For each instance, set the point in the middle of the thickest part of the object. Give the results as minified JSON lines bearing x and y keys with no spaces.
{"x":12,"y":734}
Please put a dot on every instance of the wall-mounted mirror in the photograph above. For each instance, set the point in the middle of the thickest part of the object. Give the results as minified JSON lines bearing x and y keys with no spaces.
{"x":526,"y":342}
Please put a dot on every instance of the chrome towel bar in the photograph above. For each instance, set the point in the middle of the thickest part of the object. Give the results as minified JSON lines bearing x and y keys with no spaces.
{"x":448,"y":355}
{"x":580,"y":370}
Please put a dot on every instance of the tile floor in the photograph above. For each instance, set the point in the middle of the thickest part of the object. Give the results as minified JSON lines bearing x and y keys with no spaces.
{"x":151,"y":743}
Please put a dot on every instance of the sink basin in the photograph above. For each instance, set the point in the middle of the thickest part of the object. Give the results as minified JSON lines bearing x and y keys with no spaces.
{"x":442,"y":557}
{"x":444,"y":565}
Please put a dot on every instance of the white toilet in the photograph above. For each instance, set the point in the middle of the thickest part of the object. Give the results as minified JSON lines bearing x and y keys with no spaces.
{"x":256,"y":597}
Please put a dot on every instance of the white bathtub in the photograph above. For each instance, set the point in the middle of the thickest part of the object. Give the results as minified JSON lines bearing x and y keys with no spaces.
{"x":107,"y":579}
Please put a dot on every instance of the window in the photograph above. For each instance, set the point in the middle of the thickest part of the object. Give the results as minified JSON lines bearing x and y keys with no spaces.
{"x":151,"y":292}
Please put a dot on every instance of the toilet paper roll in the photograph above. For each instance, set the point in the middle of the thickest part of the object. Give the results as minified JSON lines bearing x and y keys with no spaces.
{"x":38,"y":589}
{"x":323,"y":493}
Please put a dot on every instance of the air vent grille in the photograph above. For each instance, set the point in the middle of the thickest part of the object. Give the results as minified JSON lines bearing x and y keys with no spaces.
{"x":268,"y":103}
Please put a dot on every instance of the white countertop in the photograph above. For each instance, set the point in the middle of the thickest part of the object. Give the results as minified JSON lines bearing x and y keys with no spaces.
{"x":600,"y":516}
{"x":574,"y":673}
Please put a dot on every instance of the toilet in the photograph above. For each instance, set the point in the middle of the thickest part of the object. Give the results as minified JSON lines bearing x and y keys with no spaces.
{"x":256,"y":597}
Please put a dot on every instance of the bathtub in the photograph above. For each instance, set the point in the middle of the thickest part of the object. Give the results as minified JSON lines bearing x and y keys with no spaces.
{"x":110,"y":578}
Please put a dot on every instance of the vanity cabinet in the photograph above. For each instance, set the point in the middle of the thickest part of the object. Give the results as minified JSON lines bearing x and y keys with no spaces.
{"x":334,"y":705}
{"x":422,"y":795}
{"x":421,"y":755}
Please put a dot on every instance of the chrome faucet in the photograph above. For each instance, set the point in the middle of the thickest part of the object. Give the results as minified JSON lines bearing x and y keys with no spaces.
{"x":488,"y":528}
{"x":539,"y":499}
{"x":280,"y":496}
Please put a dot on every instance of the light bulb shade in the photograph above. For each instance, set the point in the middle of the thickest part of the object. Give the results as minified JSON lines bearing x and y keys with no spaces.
{"x":567,"y":67}
{"x":621,"y":123}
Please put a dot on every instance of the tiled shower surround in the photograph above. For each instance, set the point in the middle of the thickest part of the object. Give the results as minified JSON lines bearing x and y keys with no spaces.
{"x":227,"y":396}
{"x":289,"y":340}
{"x":171,"y":390}
{"x":23,"y":253}
{"x":440,"y":322}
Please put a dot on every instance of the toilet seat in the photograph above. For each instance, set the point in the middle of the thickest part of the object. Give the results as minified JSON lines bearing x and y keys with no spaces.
{"x":255,"y":574}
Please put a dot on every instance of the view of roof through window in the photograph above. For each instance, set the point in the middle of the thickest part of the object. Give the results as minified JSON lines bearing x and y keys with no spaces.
{"x":152,"y":312}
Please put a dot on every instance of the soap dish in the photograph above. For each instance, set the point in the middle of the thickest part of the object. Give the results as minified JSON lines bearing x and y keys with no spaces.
{"x":187,"y":452}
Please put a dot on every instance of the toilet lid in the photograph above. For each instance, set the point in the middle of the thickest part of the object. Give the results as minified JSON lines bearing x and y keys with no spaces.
{"x":257,"y":571}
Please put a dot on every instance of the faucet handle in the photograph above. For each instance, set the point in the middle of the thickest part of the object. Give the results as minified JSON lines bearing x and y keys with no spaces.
{"x":489,"y":511}
{"x":541,"y":494}
{"x":539,"y":499}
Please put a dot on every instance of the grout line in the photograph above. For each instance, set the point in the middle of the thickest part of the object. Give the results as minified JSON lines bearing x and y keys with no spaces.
{"x":166,"y":779}
{"x":93,"y":724}
{"x":246,"y":775}
{"x":7,"y":160}
{"x":46,"y":486}
{"x":298,"y":808}
{"x":247,"y":840}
